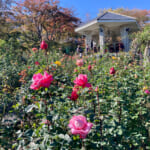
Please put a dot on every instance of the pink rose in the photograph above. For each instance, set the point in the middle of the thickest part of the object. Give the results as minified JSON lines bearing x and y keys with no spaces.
{"x":36,"y":81}
{"x":79,"y":62}
{"x":96,"y":89}
{"x":43,"y":45}
{"x":46,"y":122}
{"x":75,"y":70}
{"x":76,"y":88}
{"x":125,"y":67}
{"x":37,"y":63}
{"x":147,"y":91}
{"x":112,"y":70}
{"x":46,"y":80}
{"x":74,"y":96}
{"x":79,"y":125}
{"x":82,"y":81}
{"x":40,"y":80}
{"x":34,"y":49}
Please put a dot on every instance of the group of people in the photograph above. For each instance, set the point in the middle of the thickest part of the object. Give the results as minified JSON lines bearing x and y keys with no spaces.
{"x":118,"y":47}
{"x":87,"y":49}
{"x":115,"y":48}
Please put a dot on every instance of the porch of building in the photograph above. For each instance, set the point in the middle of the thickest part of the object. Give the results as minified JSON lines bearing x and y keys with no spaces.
{"x":108,"y":32}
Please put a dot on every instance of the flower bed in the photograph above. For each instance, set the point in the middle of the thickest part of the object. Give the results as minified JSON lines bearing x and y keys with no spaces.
{"x":66,"y":103}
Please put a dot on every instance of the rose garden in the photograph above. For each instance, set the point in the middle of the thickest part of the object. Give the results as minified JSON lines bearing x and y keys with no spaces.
{"x":51,"y":100}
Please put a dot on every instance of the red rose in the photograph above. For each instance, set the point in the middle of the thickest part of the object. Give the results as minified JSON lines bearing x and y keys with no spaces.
{"x":37,"y":63}
{"x":89,"y":67}
{"x":112,"y":70}
{"x":43,"y":45}
{"x":74,"y":96}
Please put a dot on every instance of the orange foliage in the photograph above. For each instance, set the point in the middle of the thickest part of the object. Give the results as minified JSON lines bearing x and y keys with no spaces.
{"x":45,"y":18}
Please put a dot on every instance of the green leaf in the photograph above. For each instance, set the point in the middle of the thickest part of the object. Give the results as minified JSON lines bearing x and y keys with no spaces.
{"x":30,"y":108}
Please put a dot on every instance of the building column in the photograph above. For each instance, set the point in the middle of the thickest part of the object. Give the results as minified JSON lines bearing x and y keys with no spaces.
{"x":88,"y":39}
{"x":125,"y":38}
{"x":101,"y":39}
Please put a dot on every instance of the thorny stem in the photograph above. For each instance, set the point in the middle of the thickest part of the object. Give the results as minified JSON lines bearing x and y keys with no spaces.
{"x":94,"y":106}
{"x":101,"y":130}
{"x":83,"y":145}
{"x":46,"y":114}
{"x":101,"y":119}
{"x":51,"y":102}
{"x":98,"y":105}
{"x":46,"y":54}
{"x":120,"y":110}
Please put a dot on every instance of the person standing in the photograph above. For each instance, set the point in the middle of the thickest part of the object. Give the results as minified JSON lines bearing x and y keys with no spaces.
{"x":92,"y":44}
{"x":79,"y":51}
{"x":87,"y":49}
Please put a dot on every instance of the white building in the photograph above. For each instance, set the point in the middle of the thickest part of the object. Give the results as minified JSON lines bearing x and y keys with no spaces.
{"x":108,"y":28}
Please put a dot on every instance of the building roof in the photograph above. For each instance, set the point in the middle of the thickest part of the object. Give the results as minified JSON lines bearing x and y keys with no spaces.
{"x":105,"y":18}
{"x":109,"y":16}
{"x":113,"y":16}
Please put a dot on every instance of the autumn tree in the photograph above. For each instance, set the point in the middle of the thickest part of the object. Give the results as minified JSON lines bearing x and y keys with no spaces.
{"x":44,"y":19}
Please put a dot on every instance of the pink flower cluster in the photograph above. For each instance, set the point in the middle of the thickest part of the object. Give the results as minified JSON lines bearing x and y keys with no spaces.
{"x":79,"y":125}
{"x":82,"y":81}
{"x":40,"y":80}
{"x":79,"y":62}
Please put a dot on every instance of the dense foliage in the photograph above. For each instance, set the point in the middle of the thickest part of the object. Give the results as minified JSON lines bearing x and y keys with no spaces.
{"x":50,"y":100}
{"x":141,"y":39}
{"x":116,"y":105}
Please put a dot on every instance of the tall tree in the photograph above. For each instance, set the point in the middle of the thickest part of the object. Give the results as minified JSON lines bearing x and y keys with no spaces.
{"x":44,"y":19}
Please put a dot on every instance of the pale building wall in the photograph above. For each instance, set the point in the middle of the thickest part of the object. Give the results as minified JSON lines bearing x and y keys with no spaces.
{"x":101,"y":39}
{"x":125,"y":38}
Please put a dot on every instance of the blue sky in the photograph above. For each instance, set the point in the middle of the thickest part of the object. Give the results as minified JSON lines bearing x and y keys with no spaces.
{"x":82,"y":7}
